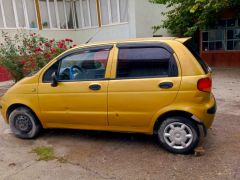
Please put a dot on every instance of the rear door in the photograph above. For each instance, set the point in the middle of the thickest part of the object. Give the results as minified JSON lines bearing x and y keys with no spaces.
{"x":146,"y":78}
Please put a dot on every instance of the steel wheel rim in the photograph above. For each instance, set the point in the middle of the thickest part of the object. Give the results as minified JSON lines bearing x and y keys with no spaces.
{"x":178,"y":135}
{"x":23,"y":123}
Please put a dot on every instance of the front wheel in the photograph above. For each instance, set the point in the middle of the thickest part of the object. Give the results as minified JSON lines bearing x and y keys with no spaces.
{"x":178,"y":135}
{"x":23,"y":123}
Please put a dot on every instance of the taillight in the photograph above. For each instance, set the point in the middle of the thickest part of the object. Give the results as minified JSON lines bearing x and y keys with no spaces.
{"x":205,"y":84}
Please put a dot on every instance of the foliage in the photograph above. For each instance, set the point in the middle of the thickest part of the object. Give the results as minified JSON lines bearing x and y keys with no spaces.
{"x":26,"y":53}
{"x":185,"y":17}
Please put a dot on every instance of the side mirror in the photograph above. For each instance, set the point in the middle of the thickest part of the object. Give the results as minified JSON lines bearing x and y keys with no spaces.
{"x":54,"y":81}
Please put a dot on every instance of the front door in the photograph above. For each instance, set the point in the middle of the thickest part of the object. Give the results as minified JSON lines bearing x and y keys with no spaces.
{"x":80,"y":98}
{"x":145,"y":80}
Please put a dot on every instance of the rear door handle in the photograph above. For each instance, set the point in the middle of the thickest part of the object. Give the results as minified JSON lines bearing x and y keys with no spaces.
{"x":95,"y":87}
{"x":166,"y":85}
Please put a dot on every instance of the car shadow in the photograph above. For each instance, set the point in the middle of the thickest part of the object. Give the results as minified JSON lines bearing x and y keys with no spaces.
{"x":99,"y":136}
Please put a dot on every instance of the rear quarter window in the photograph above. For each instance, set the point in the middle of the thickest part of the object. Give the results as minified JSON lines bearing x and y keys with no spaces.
{"x":197,"y":56}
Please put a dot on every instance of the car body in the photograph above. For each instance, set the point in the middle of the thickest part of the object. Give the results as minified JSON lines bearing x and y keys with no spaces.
{"x":124,"y":86}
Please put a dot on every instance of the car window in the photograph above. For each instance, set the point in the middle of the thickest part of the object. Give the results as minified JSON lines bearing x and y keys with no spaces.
{"x":203,"y":64}
{"x":84,"y":65}
{"x":48,"y":74}
{"x":144,"y":62}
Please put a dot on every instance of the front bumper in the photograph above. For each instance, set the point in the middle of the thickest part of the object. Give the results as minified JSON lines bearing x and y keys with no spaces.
{"x":3,"y":110}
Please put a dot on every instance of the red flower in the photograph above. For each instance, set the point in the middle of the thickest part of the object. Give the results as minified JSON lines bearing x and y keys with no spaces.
{"x":38,"y":50}
{"x":74,"y":45}
{"x":47,"y":44}
{"x":33,"y":65}
{"x":61,"y":45}
{"x":47,"y":55}
{"x":53,"y":51}
{"x":23,"y":62}
{"x":69,"y":40}
{"x":51,"y":41}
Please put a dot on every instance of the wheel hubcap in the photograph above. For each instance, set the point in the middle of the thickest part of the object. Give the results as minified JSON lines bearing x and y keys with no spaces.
{"x":23,"y":123}
{"x":178,"y":135}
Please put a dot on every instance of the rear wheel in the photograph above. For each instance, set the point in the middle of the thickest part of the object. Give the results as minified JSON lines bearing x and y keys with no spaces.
{"x":23,"y":123}
{"x":178,"y":135}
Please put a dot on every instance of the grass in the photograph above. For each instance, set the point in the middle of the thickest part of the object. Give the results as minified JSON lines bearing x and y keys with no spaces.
{"x":47,"y":154}
{"x":44,"y":153}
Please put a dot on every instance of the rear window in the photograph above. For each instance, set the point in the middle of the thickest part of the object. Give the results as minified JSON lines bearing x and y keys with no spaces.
{"x":203,"y":64}
{"x":145,"y":62}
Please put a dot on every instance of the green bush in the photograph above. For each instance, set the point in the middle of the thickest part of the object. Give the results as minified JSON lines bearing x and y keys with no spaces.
{"x":25,"y":53}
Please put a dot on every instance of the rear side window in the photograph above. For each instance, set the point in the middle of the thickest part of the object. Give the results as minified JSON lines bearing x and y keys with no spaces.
{"x":204,"y":65}
{"x":145,"y":62}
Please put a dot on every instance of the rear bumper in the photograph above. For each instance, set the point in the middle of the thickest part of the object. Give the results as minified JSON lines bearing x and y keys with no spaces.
{"x":206,"y":113}
{"x":213,"y":109}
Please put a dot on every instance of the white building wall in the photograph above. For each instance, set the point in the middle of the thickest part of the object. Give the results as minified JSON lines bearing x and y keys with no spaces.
{"x":147,"y":15}
{"x":142,"y":16}
{"x":112,"y":32}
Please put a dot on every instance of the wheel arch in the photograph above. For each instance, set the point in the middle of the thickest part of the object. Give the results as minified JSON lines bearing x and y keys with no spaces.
{"x":12,"y":107}
{"x":172,"y":113}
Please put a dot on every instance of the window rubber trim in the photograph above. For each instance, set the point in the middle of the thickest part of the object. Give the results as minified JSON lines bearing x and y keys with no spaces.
{"x":145,"y":45}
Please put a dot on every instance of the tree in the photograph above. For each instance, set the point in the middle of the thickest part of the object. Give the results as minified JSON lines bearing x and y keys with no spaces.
{"x":185,"y":17}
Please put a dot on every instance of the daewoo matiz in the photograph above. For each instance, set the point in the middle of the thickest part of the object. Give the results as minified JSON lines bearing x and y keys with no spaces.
{"x":154,"y":86}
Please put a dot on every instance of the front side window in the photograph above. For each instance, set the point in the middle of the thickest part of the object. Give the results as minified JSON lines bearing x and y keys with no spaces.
{"x":144,"y":62}
{"x":85,"y":65}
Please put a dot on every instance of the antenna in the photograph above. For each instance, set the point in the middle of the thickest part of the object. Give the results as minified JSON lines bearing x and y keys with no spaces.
{"x":93,"y":36}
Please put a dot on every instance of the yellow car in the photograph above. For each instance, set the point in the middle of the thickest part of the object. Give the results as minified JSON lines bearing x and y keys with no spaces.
{"x":154,"y":86}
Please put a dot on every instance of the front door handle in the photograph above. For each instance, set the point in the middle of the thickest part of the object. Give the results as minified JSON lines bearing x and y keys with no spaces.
{"x":166,"y":85}
{"x":95,"y":87}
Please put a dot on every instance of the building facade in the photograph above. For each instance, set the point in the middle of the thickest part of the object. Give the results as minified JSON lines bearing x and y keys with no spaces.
{"x":80,"y":19}
{"x":220,"y":43}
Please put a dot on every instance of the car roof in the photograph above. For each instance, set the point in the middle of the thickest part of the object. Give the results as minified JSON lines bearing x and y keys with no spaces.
{"x":137,"y":40}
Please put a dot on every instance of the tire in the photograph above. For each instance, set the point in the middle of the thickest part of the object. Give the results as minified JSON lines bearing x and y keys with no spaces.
{"x":24,"y":123}
{"x":178,"y":135}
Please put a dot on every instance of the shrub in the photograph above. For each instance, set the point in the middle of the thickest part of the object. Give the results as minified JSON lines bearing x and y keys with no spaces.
{"x":26,"y":53}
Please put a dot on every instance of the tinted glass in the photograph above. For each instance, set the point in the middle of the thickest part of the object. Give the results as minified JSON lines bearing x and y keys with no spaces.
{"x":48,"y":74}
{"x":204,"y":66}
{"x":229,"y":45}
{"x":85,"y":65}
{"x":143,"y":62}
{"x":205,"y":36}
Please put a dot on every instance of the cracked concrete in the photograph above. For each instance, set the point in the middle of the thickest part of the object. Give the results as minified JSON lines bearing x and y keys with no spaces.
{"x":105,"y":155}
